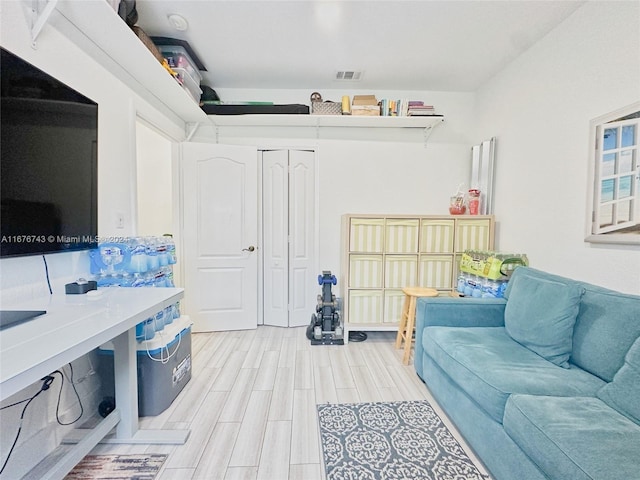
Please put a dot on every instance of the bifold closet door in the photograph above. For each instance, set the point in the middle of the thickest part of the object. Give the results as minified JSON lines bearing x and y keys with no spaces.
{"x":288,"y":219}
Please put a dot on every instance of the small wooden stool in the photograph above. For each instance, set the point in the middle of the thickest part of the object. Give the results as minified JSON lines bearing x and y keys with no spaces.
{"x":408,"y":317}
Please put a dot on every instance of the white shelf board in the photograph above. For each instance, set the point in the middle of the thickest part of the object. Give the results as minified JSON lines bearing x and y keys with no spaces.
{"x":296,"y":120}
{"x":98,"y":30}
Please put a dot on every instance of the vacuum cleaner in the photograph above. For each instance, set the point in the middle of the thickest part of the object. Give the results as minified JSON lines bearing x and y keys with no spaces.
{"x":325,"y":327}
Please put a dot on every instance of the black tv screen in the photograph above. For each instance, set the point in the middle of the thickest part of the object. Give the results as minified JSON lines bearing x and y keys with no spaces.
{"x":48,"y":163}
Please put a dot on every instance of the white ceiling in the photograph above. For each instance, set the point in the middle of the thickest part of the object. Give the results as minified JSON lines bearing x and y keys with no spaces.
{"x":437,"y":45}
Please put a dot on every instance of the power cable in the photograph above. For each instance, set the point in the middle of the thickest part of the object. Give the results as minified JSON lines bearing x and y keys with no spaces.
{"x":46,"y":383}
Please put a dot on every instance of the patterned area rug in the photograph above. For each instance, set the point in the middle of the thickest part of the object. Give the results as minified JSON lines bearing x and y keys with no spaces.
{"x":116,"y":467}
{"x":396,"y":440}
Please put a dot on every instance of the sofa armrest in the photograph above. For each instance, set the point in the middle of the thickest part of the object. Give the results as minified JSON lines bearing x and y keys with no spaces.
{"x":460,"y":312}
{"x":455,"y":312}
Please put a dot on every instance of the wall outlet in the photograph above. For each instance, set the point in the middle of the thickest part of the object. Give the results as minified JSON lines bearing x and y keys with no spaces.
{"x":119,"y":220}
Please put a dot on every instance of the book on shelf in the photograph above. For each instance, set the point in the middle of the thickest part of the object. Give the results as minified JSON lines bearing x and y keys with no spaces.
{"x":405,"y":108}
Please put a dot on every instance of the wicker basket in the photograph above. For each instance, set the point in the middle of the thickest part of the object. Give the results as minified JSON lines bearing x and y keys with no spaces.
{"x":326,"y":108}
{"x":144,"y":38}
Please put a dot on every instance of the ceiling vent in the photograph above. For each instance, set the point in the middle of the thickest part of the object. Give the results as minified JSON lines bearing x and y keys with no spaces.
{"x":348,"y":75}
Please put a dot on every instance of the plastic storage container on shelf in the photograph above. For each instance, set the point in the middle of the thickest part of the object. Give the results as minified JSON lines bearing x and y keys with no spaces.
{"x":188,"y":74}
{"x":189,"y":84}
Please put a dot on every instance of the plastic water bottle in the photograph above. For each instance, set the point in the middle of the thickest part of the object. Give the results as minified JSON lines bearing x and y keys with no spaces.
{"x":160,"y":279}
{"x":477,"y":288}
{"x":159,"y":321}
{"x":138,"y":262}
{"x":171,"y":249}
{"x":126,"y":279}
{"x":168,"y":315}
{"x":138,"y":280}
{"x":161,"y":248}
{"x":153,"y":262}
{"x":490,"y":289}
{"x":145,"y":330}
{"x":168,"y":274}
{"x":461,"y":283}
{"x":502,"y":287}
{"x":468,"y":286}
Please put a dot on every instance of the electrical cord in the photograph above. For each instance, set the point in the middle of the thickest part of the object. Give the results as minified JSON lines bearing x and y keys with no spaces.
{"x":357,"y":336}
{"x":46,"y":270}
{"x":73,"y":385}
{"x":46,"y":383}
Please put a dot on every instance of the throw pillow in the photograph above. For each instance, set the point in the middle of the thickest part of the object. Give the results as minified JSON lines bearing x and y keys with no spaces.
{"x":623,"y":392}
{"x":541,"y":313}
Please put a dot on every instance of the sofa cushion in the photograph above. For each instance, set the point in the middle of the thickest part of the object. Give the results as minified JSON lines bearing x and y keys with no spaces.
{"x":623,"y":393}
{"x":541,"y":313}
{"x":489,"y":366}
{"x":580,"y":438}
{"x":607,"y":325}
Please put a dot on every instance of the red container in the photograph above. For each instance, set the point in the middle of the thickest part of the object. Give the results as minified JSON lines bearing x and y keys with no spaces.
{"x":474,"y":201}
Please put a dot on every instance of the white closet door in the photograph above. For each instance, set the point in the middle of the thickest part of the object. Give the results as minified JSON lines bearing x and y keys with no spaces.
{"x":303,"y":280}
{"x":275,"y":226}
{"x":290,"y":283}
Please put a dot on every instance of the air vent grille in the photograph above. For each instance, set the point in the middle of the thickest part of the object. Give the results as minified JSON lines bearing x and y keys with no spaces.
{"x":348,"y":75}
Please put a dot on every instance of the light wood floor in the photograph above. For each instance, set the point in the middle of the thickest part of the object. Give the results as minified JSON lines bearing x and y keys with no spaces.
{"x":251,"y":402}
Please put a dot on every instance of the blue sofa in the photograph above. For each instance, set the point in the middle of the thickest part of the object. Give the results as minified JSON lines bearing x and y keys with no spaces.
{"x":543,"y":384}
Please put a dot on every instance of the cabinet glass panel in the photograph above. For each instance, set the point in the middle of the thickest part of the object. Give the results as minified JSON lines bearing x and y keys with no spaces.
{"x":400,"y":271}
{"x":435,"y":271}
{"x":365,"y":306}
{"x":473,"y":235}
{"x":436,"y":236}
{"x":402,"y":236}
{"x":365,"y":271}
{"x":393,"y":301}
{"x":366,"y":235}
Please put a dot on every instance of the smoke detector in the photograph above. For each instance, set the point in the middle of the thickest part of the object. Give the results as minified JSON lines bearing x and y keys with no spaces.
{"x":178,"y":22}
{"x":348,"y":75}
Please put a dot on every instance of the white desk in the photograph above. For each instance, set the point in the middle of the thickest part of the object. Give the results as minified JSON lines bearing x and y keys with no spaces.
{"x":73,"y":326}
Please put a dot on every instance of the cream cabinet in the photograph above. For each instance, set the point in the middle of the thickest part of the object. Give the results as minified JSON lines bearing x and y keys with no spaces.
{"x":381,"y":254}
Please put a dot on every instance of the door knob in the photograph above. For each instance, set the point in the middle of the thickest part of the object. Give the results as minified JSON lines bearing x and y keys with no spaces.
{"x":250,"y":249}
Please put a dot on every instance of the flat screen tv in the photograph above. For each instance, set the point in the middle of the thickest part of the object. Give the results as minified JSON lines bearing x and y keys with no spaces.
{"x":48,"y":163}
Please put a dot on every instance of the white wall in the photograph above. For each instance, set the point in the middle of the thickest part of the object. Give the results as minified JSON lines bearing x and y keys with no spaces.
{"x":377,"y":171}
{"x":154,"y":182}
{"x":539,"y":108}
{"x":24,"y":278}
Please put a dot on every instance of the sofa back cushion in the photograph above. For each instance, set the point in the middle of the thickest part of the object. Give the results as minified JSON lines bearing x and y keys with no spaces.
{"x":541,"y":313}
{"x":608,"y":323}
{"x":623,"y":393}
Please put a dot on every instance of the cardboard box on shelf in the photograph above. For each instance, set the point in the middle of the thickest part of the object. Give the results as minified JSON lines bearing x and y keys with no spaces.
{"x":365,"y":105}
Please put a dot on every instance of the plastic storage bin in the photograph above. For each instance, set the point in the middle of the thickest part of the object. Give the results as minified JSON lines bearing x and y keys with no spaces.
{"x":164,"y":367}
{"x":188,"y":83}
{"x":177,"y":57}
{"x":181,"y":63}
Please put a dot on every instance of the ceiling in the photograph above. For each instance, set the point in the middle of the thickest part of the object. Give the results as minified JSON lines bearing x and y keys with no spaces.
{"x":437,"y":45}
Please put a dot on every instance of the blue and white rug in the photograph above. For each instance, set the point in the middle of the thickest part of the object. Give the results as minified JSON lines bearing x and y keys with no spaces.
{"x":391,"y":441}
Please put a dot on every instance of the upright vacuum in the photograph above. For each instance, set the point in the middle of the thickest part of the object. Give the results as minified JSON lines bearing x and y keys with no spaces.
{"x":325,"y":327}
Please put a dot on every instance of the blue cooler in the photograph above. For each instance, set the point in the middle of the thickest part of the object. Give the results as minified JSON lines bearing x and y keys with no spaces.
{"x":164,"y":367}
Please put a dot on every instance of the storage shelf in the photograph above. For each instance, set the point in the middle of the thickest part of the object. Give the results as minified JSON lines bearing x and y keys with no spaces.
{"x":98,"y":30}
{"x":381,"y":254}
{"x":354,"y":121}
